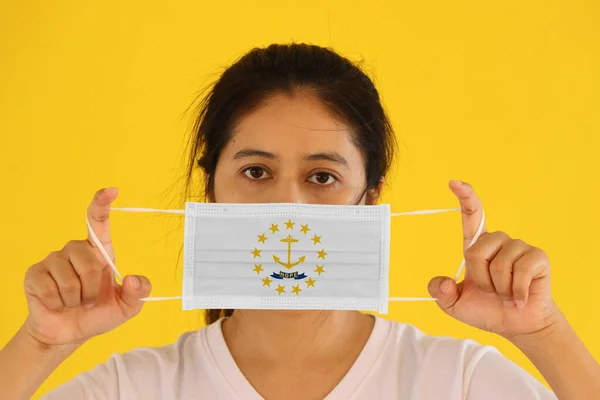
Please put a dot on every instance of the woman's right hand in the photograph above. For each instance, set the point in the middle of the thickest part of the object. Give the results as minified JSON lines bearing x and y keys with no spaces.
{"x":72,"y":295}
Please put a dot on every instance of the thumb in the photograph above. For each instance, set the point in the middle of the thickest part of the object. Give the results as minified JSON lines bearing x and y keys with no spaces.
{"x":134,"y":288}
{"x":445,"y":290}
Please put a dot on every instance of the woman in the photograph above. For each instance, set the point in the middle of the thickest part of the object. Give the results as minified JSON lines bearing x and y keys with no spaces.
{"x":300,"y":123}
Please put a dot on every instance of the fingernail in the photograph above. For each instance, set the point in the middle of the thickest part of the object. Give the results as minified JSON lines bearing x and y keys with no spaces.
{"x":135,"y":282}
{"x":520,"y":303}
{"x":445,"y":286}
{"x":508,"y":303}
{"x":88,"y":305}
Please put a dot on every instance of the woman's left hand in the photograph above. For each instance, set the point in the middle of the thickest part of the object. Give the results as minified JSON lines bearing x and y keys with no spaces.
{"x":506,"y":289}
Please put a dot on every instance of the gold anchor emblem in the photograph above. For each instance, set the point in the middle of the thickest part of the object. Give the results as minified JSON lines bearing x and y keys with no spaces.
{"x":279,"y":277}
{"x":289,"y":240}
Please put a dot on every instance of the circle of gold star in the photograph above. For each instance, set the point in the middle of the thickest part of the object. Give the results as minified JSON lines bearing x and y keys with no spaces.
{"x":290,"y":225}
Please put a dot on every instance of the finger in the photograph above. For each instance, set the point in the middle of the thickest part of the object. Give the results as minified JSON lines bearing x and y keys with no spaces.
{"x":67,"y":281}
{"x":39,"y":283}
{"x":134,"y":288}
{"x":534,"y":264}
{"x":87,"y":266}
{"x":471,"y":210}
{"x":501,"y":268}
{"x":479,"y":257}
{"x":446,"y":291}
{"x":98,"y":214}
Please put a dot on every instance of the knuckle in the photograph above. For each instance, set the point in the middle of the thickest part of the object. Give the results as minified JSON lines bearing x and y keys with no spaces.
{"x":539,"y":253}
{"x":53,"y":256}
{"x":73,"y":246}
{"x":47,"y":291}
{"x":520,"y":243}
{"x":101,"y":217}
{"x":133,"y":310}
{"x":90,"y":267}
{"x":29,"y":283}
{"x":521,"y":265}
{"x":52,"y":259}
{"x":70,"y":286}
{"x":498,"y":267}
{"x":147,"y":285}
{"x":534,"y":258}
{"x":469,"y":209}
{"x":89,"y":271}
{"x":31,"y":271}
{"x":473,"y":254}
{"x":500,"y":235}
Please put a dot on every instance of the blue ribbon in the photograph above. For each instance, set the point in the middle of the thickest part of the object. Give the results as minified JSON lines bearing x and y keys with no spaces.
{"x":288,"y":275}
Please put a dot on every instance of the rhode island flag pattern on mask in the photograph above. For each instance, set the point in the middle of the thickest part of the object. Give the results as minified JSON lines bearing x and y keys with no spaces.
{"x":286,"y":256}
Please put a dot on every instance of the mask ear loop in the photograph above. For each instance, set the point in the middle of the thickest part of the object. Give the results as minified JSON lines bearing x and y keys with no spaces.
{"x":154,"y":210}
{"x":477,"y":234}
{"x":102,"y":249}
{"x":462,"y":264}
{"x":107,"y":257}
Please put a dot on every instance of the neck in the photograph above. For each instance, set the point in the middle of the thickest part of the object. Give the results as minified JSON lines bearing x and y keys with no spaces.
{"x":280,"y":335}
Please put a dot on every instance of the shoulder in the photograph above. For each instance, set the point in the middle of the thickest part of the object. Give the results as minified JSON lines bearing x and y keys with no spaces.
{"x":163,"y":356}
{"x":179,"y":361}
{"x":463,"y":367}
{"x":424,"y":348}
{"x":145,"y":372}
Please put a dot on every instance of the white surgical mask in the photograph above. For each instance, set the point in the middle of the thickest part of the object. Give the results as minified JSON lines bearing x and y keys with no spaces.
{"x":285,"y":256}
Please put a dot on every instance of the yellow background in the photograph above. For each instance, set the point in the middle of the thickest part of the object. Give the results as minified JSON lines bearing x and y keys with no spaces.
{"x":505,"y":95}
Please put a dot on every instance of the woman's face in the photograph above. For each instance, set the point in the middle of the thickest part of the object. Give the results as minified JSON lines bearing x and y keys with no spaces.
{"x":291,"y":150}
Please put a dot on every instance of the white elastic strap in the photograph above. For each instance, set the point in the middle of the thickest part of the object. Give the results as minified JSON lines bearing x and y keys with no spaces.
{"x":411,"y":299}
{"x":161,"y":298}
{"x":460,"y":269}
{"x":421,"y":212}
{"x":477,"y":234}
{"x":102,"y":250}
{"x":390,"y":299}
{"x":167,"y":211}
{"x":147,"y":210}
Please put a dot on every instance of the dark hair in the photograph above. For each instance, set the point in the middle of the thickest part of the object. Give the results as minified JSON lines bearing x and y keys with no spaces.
{"x":338,"y":83}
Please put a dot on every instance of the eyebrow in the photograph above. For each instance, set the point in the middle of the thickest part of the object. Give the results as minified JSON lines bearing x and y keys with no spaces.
{"x":245,"y":153}
{"x":333,"y":157}
{"x":324,"y":156}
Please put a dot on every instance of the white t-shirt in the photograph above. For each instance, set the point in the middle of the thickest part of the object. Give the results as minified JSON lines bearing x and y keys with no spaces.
{"x":397,"y":362}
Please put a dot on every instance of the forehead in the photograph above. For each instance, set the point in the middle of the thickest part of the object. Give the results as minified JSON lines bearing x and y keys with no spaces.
{"x":286,"y":124}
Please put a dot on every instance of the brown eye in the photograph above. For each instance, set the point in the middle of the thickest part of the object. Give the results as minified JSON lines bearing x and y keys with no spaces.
{"x":256,"y":173}
{"x":322,"y":178}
